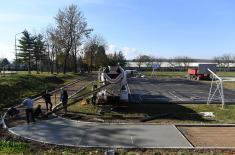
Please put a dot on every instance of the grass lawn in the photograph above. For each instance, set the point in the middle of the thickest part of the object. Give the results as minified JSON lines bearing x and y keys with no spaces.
{"x":17,"y":86}
{"x":87,"y":108}
{"x":16,"y":147}
{"x":182,"y":74}
{"x":164,"y":74}
{"x":13,"y":147}
{"x":229,"y":74}
{"x":13,"y":88}
{"x":168,"y":113}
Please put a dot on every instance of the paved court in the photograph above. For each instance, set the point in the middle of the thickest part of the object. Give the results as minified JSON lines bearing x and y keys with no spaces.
{"x":144,"y":90}
{"x":72,"y":133}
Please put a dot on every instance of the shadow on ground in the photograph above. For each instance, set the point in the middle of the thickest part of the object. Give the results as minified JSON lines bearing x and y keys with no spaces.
{"x":169,"y":111}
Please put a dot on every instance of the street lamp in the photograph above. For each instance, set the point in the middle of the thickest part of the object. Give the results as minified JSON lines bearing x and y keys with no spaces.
{"x":16,"y":50}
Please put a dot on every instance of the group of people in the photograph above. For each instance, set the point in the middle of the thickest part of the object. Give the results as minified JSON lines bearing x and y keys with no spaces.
{"x":31,"y":114}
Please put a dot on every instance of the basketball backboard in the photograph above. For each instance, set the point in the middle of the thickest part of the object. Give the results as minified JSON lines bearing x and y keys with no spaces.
{"x":203,"y":68}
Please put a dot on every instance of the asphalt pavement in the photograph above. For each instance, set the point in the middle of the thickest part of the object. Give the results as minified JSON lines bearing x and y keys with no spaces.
{"x":174,"y":90}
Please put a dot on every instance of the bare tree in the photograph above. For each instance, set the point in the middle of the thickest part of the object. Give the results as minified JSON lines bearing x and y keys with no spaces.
{"x":183,"y":61}
{"x":140,"y":59}
{"x":218,"y":61}
{"x":71,"y":27}
{"x":171,"y":62}
{"x":186,"y":61}
{"x":151,"y":61}
{"x":159,"y":61}
{"x":226,"y":59}
{"x":178,"y":61}
{"x":94,"y":51}
{"x":52,"y":39}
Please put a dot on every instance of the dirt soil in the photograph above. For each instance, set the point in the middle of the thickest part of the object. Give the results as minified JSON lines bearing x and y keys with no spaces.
{"x":210,"y":136}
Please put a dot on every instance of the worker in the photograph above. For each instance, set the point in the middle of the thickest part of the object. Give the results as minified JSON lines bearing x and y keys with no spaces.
{"x":64,"y":99}
{"x":13,"y":112}
{"x":47,"y":98}
{"x":28,"y":103}
{"x":38,"y":112}
{"x":94,"y":96}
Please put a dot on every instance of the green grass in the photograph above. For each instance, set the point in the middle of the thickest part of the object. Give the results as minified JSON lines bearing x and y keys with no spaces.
{"x":226,"y":115}
{"x":87,"y":108}
{"x":189,"y":113}
{"x":164,"y":74}
{"x":16,"y":147}
{"x":175,"y":113}
{"x":14,"y":88}
{"x":181,"y":74}
{"x":230,"y":74}
{"x":12,"y":147}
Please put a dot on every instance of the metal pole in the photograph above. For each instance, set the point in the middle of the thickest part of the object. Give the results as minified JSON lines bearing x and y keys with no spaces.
{"x":209,"y":96}
{"x":222,"y":94}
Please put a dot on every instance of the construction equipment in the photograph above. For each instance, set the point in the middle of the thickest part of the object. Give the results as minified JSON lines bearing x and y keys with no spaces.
{"x":201,"y":73}
{"x":116,"y":93}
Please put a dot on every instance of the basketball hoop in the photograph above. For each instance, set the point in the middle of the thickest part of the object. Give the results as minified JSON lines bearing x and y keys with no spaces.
{"x":154,"y":66}
{"x":218,"y":88}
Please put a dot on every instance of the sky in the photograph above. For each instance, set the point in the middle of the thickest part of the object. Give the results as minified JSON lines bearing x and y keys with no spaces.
{"x":161,"y":28}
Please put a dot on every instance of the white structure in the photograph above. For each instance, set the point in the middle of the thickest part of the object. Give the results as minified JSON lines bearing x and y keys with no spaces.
{"x":115,"y":76}
{"x":164,"y":64}
{"x":218,"y":88}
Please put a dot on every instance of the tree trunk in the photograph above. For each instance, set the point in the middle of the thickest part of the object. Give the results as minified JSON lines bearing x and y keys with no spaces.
{"x":65,"y":62}
{"x":57,"y":66}
{"x":65,"y":66}
{"x":75,"y":65}
{"x":56,"y":62}
{"x":75,"y":59}
{"x":52,"y":67}
{"x":37,"y":66}
{"x":29,"y":65}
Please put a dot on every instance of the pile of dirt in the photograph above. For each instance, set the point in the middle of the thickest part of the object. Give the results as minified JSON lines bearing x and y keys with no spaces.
{"x":54,"y":79}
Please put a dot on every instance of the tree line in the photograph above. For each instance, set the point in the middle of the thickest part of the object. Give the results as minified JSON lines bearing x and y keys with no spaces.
{"x":149,"y":61}
{"x":223,"y":61}
{"x":67,"y":46}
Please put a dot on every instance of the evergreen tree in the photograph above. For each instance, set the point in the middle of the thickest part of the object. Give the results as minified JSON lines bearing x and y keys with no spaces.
{"x":26,"y":49}
{"x":39,"y":47}
{"x":117,"y":58}
{"x":121,"y":59}
{"x":4,"y":62}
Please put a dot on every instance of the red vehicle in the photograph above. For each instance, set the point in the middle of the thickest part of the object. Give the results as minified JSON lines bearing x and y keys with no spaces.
{"x":193,"y":74}
{"x":201,"y":73}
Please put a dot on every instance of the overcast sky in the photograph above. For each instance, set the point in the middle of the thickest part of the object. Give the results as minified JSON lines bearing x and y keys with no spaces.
{"x":165,"y":28}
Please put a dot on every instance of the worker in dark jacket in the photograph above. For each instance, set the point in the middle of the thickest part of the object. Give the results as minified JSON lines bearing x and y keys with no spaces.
{"x":38,"y":112}
{"x":47,"y":98}
{"x":64,"y":99}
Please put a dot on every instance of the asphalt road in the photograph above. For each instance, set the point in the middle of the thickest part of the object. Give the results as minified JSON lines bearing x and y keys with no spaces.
{"x":143,"y":90}
{"x":72,"y":133}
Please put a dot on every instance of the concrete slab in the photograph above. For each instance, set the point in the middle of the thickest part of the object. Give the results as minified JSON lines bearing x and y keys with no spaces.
{"x":163,"y":90}
{"x":72,"y":133}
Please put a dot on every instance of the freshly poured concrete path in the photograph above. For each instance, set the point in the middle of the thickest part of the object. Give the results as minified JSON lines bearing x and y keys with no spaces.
{"x":73,"y":133}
